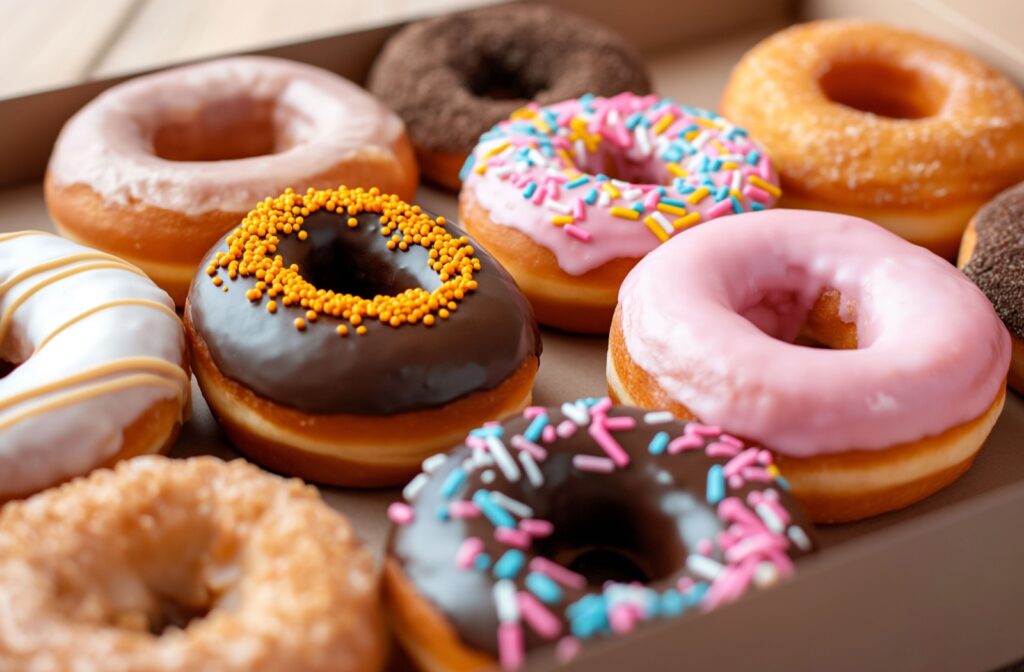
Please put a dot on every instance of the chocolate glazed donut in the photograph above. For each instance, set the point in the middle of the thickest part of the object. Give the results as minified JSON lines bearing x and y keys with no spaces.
{"x":317,"y":396}
{"x":510,"y":542}
{"x":452,"y":78}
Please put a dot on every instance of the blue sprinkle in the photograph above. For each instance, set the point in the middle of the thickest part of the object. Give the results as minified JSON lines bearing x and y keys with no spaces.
{"x":682,"y":187}
{"x":633,"y":120}
{"x":716,"y":165}
{"x":672,"y":603}
{"x":638,"y":207}
{"x":453,"y":482}
{"x":533,"y":432}
{"x":661,"y":191}
{"x":689,"y":129}
{"x":544,"y":588}
{"x":658,"y":443}
{"x":703,"y":163}
{"x":591,"y":197}
{"x":494,"y":512}
{"x":673,"y":202}
{"x":672,"y":153}
{"x":466,"y":167}
{"x":601,"y":177}
{"x":696,"y":593}
{"x":755,"y":206}
{"x":736,"y":205}
{"x":783,"y":483}
{"x":491,"y":430}
{"x":578,"y":182}
{"x":547,"y":149}
{"x":753,"y":157}
{"x":742,"y":132}
{"x":716,"y":484}
{"x":482,"y":562}
{"x":509,"y":565}
{"x":530,"y":189}
{"x":588,"y":616}
{"x":721,"y":193}
{"x":442,"y":513}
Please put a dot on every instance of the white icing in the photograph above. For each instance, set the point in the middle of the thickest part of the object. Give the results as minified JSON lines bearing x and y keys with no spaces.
{"x":47,"y":447}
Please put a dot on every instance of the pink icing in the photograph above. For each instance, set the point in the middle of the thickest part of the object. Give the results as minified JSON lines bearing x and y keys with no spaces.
{"x":527,"y":174}
{"x":320,"y":119}
{"x":704,"y":316}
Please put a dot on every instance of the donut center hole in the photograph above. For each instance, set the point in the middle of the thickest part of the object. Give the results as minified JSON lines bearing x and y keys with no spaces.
{"x":884,"y":89}
{"x":493,"y":78}
{"x":171,"y":613}
{"x":355,"y":260}
{"x":223,"y":131}
{"x":783,"y":315}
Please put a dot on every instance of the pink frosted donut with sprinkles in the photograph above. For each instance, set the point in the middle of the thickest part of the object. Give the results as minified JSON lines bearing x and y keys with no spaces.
{"x":576,"y":522}
{"x":570,"y":196}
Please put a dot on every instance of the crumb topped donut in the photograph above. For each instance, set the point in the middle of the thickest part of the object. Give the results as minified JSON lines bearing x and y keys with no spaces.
{"x":157,"y":169}
{"x":905,"y":382}
{"x":343,"y":335}
{"x":992,"y":255}
{"x":578,"y":522}
{"x":453,"y":77}
{"x":179,"y":565}
{"x":569,"y":196}
{"x":882,"y":123}
{"x":99,"y":366}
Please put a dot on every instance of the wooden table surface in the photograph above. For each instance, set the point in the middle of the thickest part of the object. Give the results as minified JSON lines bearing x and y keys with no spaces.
{"x":51,"y":43}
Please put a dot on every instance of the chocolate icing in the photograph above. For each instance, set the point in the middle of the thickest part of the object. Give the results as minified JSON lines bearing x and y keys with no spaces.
{"x":386,"y":371}
{"x":997,"y":262}
{"x":638,"y":523}
{"x":453,"y":77}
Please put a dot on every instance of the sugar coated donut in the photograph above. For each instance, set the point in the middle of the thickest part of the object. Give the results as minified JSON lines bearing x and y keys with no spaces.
{"x":179,"y":565}
{"x":570,"y":196}
{"x":905,"y":385}
{"x":882,"y":123}
{"x":344,"y":335}
{"x":992,"y":255}
{"x":451,"y":78}
{"x":98,"y":356}
{"x":156,"y":169}
{"x":577,"y":522}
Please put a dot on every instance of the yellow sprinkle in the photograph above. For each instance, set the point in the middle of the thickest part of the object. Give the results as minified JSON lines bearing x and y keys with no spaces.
{"x":303,"y":235}
{"x":361,"y":329}
{"x":655,"y":228}
{"x":735,"y":194}
{"x":542,"y":126}
{"x":729,"y":166}
{"x":697,"y":196}
{"x":524,"y":113}
{"x":300,"y":323}
{"x":498,"y":150}
{"x":692,"y":134}
{"x":676,"y":170}
{"x":773,"y":471}
{"x":663,"y":123}
{"x":562,"y":220}
{"x":625,"y":213}
{"x":671,"y":209}
{"x":342,"y":330}
{"x":767,"y":186}
{"x":480,"y":169}
{"x":612,"y":191}
{"x":686,"y":221}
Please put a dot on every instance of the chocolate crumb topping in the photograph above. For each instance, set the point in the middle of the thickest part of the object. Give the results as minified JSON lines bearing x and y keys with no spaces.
{"x":997,"y":263}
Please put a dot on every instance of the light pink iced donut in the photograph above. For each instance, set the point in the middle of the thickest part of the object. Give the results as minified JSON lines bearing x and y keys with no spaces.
{"x":158,"y":168}
{"x":706,"y":325}
{"x":593,"y":184}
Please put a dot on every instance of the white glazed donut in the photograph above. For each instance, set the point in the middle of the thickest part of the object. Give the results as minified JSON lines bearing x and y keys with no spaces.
{"x":99,"y":355}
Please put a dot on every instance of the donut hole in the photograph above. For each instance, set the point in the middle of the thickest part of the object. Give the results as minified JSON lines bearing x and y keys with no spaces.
{"x":883,"y":88}
{"x":783,"y":315}
{"x":491,"y":76}
{"x":355,"y":260}
{"x":223,"y":131}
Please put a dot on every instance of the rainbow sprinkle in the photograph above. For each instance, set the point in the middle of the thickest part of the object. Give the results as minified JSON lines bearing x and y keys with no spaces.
{"x":679,"y":165}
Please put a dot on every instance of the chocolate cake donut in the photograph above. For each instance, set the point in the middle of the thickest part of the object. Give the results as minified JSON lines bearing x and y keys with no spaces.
{"x":992,"y":255}
{"x":348,"y":346}
{"x":451,"y":78}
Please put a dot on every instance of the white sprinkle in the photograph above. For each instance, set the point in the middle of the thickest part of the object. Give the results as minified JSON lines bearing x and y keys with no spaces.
{"x":643,"y":142}
{"x":578,"y":413}
{"x":502,"y":458}
{"x":410,"y":491}
{"x":505,"y":601}
{"x":704,"y":567}
{"x":604,"y":199}
{"x":771,"y":520}
{"x":701,"y":140}
{"x":658,"y":417}
{"x":533,"y":472}
{"x":537,"y":158}
{"x":433,"y":462}
{"x":513,"y":505}
{"x":482,"y":459}
{"x":593,"y":463}
{"x":581,"y":152}
{"x":736,"y":180}
{"x":558,"y":207}
{"x":765,"y":574}
{"x":500,"y":171}
{"x":799,"y":537}
{"x":613,"y":118}
{"x":661,"y":219}
{"x":632,"y":194}
{"x":487,"y":476}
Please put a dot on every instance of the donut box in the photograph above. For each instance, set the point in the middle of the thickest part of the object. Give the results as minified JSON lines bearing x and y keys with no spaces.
{"x":936,"y":586}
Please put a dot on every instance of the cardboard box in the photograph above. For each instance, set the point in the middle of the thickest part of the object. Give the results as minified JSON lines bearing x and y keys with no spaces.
{"x":935,"y":587}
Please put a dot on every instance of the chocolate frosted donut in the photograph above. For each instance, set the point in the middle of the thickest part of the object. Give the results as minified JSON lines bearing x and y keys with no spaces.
{"x":576,"y":522}
{"x":453,"y":77}
{"x":344,"y":335}
{"x":992,"y":255}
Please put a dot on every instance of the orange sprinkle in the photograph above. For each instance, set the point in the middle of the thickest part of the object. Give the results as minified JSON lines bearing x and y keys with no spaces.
{"x":300,"y":323}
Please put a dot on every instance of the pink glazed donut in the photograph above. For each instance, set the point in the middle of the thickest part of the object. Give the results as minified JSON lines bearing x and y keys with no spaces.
{"x":569,"y":197}
{"x":874,"y":369}
{"x":157,"y":169}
